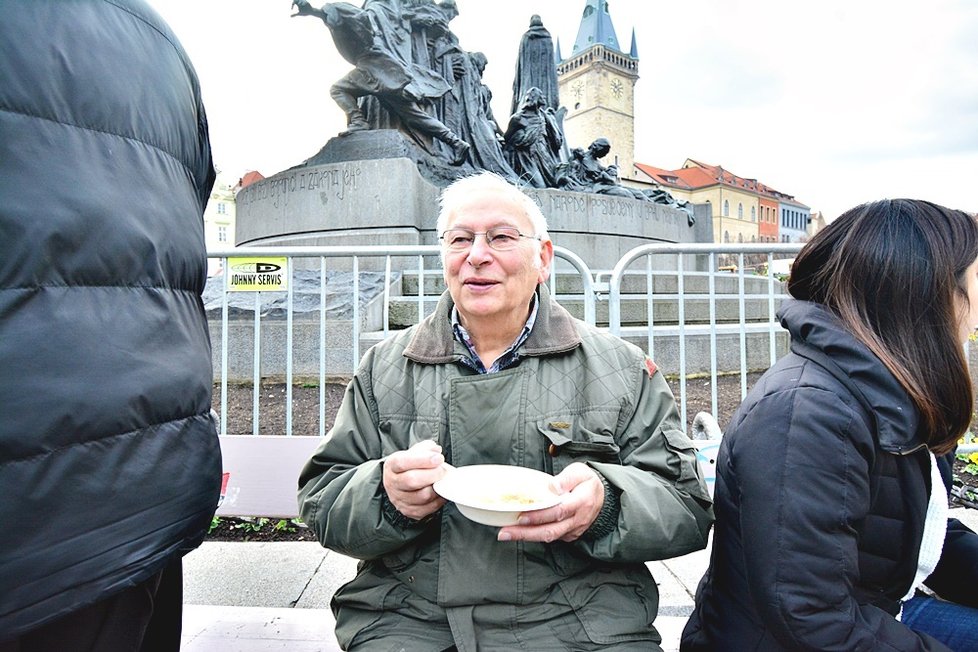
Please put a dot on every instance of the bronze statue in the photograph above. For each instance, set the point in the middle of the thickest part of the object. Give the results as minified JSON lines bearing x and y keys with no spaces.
{"x":585,"y":173}
{"x":536,"y":65}
{"x":381,"y":72}
{"x":533,"y":141}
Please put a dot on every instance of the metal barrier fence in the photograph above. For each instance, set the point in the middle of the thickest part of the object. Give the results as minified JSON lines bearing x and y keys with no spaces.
{"x":696,"y":317}
{"x":688,"y":259}
{"x":354,"y":255}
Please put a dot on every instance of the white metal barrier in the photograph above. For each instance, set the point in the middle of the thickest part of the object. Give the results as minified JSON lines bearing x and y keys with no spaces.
{"x":739,"y":313}
{"x":354,"y":254}
{"x":688,"y":267}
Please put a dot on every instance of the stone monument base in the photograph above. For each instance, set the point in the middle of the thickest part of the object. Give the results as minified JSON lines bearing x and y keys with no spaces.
{"x":365,"y":188}
{"x":379,"y":144}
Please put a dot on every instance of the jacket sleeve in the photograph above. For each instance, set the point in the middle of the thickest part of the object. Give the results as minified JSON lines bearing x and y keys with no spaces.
{"x":341,"y":494}
{"x":665,"y":506}
{"x":956,"y":576}
{"x":799,"y":463}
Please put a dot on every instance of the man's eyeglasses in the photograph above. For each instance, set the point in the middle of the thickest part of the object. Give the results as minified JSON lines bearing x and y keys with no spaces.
{"x":501,"y":238}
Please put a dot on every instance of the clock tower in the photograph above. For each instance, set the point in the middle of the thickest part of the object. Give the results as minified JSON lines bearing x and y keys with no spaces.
{"x":597,"y":86}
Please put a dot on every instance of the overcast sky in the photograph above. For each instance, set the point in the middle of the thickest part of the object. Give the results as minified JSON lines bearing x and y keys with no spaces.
{"x":836,"y":102}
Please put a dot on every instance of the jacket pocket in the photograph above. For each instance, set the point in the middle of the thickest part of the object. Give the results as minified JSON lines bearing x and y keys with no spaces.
{"x":416,"y":565}
{"x":615,"y":605}
{"x":569,"y":439}
{"x":684,"y":466}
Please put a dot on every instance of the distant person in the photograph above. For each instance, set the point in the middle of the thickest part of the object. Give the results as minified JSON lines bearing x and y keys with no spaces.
{"x":831,"y":491}
{"x":500,"y":373}
{"x":110,"y":465}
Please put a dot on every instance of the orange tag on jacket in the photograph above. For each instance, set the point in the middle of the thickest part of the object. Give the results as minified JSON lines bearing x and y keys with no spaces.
{"x":650,"y":366}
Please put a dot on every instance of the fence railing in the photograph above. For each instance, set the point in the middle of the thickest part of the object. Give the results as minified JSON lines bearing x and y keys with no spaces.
{"x":766,"y":288}
{"x":380,"y":256}
{"x":697,"y":318}
{"x":703,"y":312}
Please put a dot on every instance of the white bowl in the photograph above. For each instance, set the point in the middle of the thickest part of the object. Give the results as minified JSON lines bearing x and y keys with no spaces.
{"x":496,"y":494}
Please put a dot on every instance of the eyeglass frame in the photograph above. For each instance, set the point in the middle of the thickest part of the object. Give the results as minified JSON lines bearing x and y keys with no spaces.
{"x":485,"y":234}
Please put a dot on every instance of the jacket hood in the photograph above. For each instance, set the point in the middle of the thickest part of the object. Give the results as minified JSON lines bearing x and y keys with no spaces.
{"x":818,"y":335}
{"x":554,"y":331}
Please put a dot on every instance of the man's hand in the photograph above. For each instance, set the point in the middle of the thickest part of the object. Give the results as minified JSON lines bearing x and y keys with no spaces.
{"x":582,"y":498}
{"x":408,"y":476}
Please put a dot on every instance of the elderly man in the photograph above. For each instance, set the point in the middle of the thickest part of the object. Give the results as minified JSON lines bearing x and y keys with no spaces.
{"x":501,"y":374}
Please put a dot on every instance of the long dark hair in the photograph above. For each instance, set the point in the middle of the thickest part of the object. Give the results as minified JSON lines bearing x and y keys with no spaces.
{"x":893,"y":271}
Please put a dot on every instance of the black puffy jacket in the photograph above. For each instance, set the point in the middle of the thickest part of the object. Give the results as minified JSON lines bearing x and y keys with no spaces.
{"x":109,"y":462}
{"x":822,"y":488}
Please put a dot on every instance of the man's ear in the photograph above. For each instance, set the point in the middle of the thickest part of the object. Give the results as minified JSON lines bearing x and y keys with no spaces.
{"x":545,"y":261}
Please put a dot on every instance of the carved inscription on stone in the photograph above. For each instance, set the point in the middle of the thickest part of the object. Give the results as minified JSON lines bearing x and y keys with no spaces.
{"x":329,"y":183}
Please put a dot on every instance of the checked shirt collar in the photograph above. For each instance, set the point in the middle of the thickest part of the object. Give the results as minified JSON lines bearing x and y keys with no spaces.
{"x":509,"y":357}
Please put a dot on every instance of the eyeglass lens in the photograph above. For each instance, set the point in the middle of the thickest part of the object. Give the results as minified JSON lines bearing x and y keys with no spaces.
{"x":499,"y":238}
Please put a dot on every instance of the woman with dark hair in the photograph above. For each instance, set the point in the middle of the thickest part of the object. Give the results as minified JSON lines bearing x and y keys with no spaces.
{"x":831,"y":493}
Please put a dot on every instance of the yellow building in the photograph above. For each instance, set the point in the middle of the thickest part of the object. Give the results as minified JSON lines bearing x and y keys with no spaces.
{"x":219,"y":220}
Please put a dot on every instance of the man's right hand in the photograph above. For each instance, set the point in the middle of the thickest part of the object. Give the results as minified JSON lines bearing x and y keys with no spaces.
{"x":408,"y":476}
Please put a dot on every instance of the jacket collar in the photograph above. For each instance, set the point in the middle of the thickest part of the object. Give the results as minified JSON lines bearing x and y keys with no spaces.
{"x":818,"y":335}
{"x":554,"y":331}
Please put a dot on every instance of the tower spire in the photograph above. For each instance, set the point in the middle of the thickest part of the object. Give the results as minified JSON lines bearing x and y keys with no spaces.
{"x":596,"y":28}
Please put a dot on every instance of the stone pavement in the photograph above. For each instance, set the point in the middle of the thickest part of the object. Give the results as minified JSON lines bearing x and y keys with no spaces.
{"x":258,"y":597}
{"x":254,"y":597}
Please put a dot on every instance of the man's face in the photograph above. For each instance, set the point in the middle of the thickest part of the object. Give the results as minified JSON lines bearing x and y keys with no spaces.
{"x":489,"y":286}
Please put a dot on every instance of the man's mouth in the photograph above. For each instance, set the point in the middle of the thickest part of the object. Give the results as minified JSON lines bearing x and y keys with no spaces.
{"x":481,"y":282}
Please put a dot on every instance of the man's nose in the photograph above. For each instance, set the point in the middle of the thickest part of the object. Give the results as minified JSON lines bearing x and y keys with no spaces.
{"x":480,"y":252}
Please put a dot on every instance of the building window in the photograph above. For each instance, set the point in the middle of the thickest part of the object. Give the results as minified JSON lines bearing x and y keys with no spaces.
{"x":726,"y":208}
{"x":726,"y":236}
{"x":222,"y":233}
{"x":222,"y":208}
{"x":753,"y":213}
{"x":740,"y":211}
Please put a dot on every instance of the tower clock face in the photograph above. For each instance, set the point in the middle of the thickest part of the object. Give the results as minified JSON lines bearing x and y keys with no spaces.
{"x":617,"y":88}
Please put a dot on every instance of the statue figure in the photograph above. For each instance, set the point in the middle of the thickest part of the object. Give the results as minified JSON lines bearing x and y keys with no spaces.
{"x":477,"y":125}
{"x":380,"y":72}
{"x":585,"y":173}
{"x":533,"y":141}
{"x":536,"y":66}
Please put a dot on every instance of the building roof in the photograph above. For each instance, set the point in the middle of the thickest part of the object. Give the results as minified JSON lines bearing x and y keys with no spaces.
{"x":249,"y":178}
{"x":596,"y":28}
{"x":695,"y":175}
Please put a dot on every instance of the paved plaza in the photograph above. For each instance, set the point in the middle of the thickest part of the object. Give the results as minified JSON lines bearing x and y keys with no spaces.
{"x":259,"y":597}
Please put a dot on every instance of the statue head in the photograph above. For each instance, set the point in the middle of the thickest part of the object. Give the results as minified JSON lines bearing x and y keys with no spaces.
{"x":533,"y":97}
{"x":449,"y":8}
{"x":536,"y":21}
{"x":600,"y":148}
{"x":478,"y":60}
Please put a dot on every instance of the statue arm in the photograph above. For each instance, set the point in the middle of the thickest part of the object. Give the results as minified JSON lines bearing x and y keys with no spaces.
{"x":303,"y":8}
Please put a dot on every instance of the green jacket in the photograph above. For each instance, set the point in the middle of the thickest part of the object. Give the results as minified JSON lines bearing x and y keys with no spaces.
{"x":576,"y":395}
